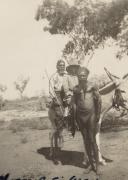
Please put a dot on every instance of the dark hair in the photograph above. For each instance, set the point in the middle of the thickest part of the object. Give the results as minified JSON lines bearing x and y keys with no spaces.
{"x":83,"y":69}
{"x":59,"y":61}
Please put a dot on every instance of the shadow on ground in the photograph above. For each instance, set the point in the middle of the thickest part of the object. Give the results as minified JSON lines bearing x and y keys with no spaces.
{"x":73,"y":158}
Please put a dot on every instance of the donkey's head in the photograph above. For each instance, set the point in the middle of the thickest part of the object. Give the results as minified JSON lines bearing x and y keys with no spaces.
{"x":115,"y":83}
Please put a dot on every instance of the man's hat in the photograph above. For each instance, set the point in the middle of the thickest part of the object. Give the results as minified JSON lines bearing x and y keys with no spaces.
{"x":70,"y":67}
{"x":83,"y":69}
{"x":73,"y":64}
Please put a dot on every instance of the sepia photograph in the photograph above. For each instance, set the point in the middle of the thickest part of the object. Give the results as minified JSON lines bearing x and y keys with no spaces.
{"x":63,"y":89}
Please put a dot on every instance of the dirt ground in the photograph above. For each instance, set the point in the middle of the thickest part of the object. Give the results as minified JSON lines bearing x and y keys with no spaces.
{"x":24,"y":154}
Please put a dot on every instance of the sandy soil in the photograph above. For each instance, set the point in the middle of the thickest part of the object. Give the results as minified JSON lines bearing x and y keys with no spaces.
{"x":24,"y":154}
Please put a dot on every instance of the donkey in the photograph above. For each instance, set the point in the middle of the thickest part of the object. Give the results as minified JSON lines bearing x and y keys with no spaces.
{"x":90,"y":141}
{"x":55,"y":114}
{"x":115,"y":91}
{"x":112,"y":97}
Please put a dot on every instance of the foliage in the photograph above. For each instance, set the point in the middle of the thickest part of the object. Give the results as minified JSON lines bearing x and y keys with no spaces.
{"x":61,"y":17}
{"x":87,"y":23}
{"x":3,"y":88}
{"x":20,"y":84}
{"x":122,"y":40}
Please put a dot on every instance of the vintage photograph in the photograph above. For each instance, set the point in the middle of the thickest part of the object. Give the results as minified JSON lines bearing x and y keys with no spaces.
{"x":63,"y":89}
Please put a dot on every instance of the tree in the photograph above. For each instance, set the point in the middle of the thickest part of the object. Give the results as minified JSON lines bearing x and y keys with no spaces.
{"x":20,"y":84}
{"x":87,"y":23}
{"x":122,"y":39}
{"x":42,"y":101}
{"x":3,"y":88}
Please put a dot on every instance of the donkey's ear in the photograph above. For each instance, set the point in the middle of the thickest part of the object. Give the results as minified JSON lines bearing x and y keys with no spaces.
{"x":125,"y":76}
{"x":122,"y":91}
{"x":110,"y":75}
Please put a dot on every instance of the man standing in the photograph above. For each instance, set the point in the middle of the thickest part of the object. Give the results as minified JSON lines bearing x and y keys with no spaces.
{"x":85,"y":95}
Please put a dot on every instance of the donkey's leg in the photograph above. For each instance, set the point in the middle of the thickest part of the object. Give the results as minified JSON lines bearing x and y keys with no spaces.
{"x":61,"y":139}
{"x":53,"y":151}
{"x":96,"y":153}
{"x":56,"y":148}
{"x":92,"y":129}
{"x":52,"y":118}
{"x":56,"y":141}
{"x":51,"y":137}
{"x":53,"y":142}
{"x":101,"y":160}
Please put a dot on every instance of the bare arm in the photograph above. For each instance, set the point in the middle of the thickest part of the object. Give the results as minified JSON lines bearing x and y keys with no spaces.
{"x":97,"y":101}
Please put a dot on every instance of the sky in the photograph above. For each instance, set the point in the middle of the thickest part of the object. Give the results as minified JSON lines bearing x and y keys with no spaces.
{"x":25,"y":49}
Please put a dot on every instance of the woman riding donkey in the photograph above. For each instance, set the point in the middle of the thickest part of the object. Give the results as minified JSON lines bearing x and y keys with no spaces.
{"x":58,"y":110}
{"x":61,"y":89}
